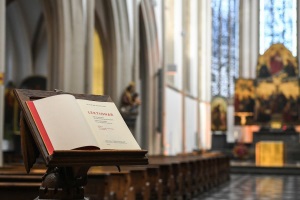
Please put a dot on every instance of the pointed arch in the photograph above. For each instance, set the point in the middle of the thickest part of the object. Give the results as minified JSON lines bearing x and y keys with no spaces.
{"x":105,"y":25}
{"x":118,"y":38}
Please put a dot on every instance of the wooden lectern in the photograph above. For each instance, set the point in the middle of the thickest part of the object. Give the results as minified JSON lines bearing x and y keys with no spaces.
{"x":67,"y":170}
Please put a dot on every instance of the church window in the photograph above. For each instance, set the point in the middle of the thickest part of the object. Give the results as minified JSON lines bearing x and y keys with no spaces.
{"x":278,"y":24}
{"x":225,"y":46}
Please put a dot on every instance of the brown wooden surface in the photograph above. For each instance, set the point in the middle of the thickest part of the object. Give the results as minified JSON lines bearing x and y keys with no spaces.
{"x":98,"y":157}
{"x":133,"y":182}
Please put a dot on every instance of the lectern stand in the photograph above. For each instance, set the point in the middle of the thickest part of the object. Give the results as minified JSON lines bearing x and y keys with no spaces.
{"x":67,"y":170}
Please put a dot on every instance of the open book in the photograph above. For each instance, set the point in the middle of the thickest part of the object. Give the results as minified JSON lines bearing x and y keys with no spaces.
{"x":67,"y":123}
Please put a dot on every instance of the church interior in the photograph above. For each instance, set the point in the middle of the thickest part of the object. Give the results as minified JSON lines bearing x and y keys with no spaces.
{"x":208,"y":89}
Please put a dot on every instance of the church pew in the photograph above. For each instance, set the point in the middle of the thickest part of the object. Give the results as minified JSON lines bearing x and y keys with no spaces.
{"x":187,"y":178}
{"x":189,"y":171}
{"x":207,"y":170}
{"x":166,"y":177}
{"x":184,"y":172}
{"x":131,"y":182}
{"x":173,"y":178}
{"x":26,"y":185}
{"x":189,"y":175}
{"x":96,"y":186}
{"x":208,"y":174}
{"x":194,"y":179}
{"x":155,"y":182}
{"x":146,"y":181}
{"x":218,"y":169}
{"x":224,"y":170}
{"x":112,"y":184}
{"x":200,"y":175}
{"x":139,"y":183}
{"x":119,"y":187}
{"x":178,"y":179}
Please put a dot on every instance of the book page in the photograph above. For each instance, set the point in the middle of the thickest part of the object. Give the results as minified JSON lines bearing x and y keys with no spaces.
{"x":107,"y":125}
{"x":64,"y":123}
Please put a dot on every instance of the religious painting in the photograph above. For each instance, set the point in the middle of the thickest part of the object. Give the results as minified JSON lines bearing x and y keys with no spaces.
{"x":218,"y":114}
{"x":277,"y":101}
{"x":262,"y":109}
{"x":277,"y":87}
{"x":277,"y":61}
{"x":244,"y":101}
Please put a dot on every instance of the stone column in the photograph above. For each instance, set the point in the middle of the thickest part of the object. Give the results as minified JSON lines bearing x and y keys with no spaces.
{"x":75,"y":72}
{"x":2,"y":70}
{"x":249,"y":51}
{"x":68,"y":29}
{"x":89,"y":16}
{"x":185,"y":53}
{"x":249,"y":37}
{"x":204,"y":75}
{"x":298,"y":30}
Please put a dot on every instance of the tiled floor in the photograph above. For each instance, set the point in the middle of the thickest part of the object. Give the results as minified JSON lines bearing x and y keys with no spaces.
{"x":257,"y":187}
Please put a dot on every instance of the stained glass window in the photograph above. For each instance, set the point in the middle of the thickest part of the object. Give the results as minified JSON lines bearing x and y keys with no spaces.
{"x":278,"y":24}
{"x":225,"y":46}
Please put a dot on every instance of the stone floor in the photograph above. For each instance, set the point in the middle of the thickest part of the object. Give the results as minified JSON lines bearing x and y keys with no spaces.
{"x":256,"y":187}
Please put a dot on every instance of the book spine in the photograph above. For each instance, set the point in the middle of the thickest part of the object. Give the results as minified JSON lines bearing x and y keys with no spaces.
{"x":40,"y":127}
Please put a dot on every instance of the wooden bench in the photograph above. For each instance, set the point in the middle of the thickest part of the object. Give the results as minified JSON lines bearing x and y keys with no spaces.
{"x":166,"y":177}
{"x":16,"y":184}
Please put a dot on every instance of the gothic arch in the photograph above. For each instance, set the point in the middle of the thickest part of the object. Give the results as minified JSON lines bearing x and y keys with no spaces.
{"x":22,"y":28}
{"x":55,"y":21}
{"x":117,"y":37}
{"x":69,"y":29}
{"x":106,"y":28}
{"x":126,"y":42}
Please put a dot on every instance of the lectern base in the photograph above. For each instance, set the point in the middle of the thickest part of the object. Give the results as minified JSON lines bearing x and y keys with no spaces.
{"x":64,"y":183}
